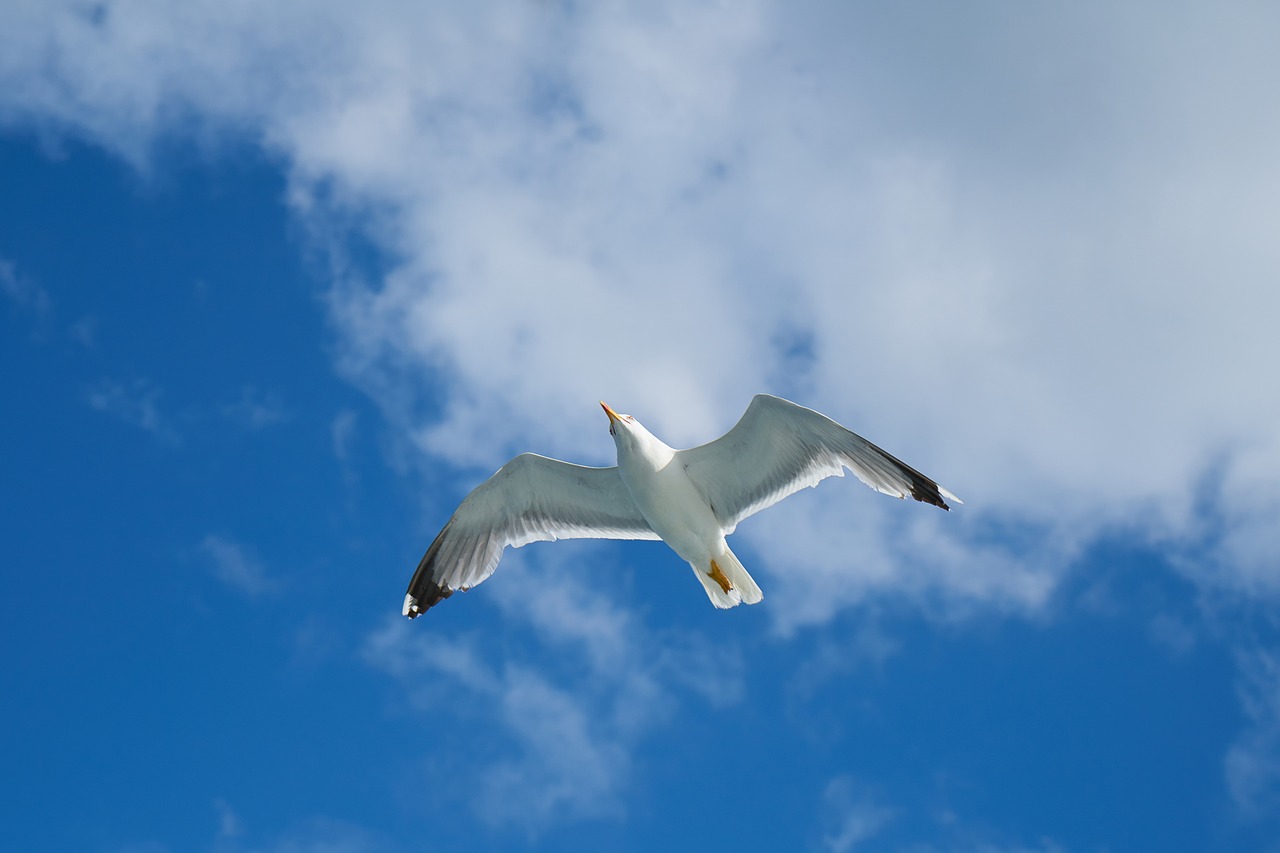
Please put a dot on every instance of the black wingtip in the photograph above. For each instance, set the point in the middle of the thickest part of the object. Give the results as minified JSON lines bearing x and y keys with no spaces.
{"x":429,"y":595}
{"x":424,"y":591}
{"x":926,"y":491}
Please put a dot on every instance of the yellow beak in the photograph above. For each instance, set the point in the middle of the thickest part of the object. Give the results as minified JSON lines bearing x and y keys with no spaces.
{"x":613,"y":416}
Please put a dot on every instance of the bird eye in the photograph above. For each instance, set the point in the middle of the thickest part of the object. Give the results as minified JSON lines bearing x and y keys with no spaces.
{"x":611,"y":432}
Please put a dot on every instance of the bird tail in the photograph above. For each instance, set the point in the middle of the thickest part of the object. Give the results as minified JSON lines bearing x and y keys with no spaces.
{"x":727,"y":582}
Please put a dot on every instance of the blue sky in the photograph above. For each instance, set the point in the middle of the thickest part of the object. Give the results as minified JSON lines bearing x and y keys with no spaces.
{"x":279,"y":285}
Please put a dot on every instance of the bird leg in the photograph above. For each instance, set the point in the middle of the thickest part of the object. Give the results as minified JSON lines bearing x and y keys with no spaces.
{"x":718,"y":577}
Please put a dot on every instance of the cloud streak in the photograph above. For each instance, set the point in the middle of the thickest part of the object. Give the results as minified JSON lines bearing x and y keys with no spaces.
{"x":22,"y":291}
{"x":857,"y":817}
{"x":1252,"y":764}
{"x":256,"y":409}
{"x":575,"y":726}
{"x":237,"y":567}
{"x":136,"y":403}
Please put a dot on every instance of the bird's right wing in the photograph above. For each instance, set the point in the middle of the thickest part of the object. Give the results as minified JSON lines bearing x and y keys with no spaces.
{"x":530,"y":499}
{"x":778,"y":448}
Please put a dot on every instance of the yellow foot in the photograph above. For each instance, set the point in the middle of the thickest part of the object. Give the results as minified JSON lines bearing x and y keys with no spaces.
{"x":718,"y":577}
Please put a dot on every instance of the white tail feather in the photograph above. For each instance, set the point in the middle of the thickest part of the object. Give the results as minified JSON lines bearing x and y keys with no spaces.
{"x":741,"y":580}
{"x":742,"y":587}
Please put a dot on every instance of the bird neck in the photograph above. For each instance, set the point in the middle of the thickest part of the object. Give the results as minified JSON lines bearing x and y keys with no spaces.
{"x":645,"y":452}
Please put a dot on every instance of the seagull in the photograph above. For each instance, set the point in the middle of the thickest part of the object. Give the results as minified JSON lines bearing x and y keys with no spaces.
{"x":691,"y":499}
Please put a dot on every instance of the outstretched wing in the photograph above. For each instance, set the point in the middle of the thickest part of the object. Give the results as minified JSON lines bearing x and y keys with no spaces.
{"x":779,"y":448}
{"x":530,"y":499}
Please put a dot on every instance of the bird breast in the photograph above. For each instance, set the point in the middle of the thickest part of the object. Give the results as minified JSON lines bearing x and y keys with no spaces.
{"x":673,"y":506}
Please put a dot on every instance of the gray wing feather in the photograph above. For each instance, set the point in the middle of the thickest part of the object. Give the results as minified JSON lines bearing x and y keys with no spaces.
{"x":530,"y":499}
{"x":778,"y":448}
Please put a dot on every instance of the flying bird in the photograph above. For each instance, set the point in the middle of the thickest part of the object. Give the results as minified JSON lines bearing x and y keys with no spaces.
{"x":691,"y":499}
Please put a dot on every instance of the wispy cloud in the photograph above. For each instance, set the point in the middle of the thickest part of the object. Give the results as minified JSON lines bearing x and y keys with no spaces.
{"x":568,"y":762}
{"x":837,"y":656}
{"x":1173,"y":633}
{"x":573,"y":727}
{"x":312,"y":835}
{"x":1253,"y":762}
{"x":136,"y":402}
{"x":237,"y":566}
{"x":856,"y":816}
{"x":85,"y":331}
{"x":341,"y":432}
{"x":229,"y":823}
{"x":255,"y":409}
{"x":23,"y":291}
{"x":324,"y":835}
{"x":843,"y":546}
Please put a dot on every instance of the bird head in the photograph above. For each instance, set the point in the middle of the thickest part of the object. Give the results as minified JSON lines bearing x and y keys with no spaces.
{"x":632,"y":439}
{"x":618,"y":424}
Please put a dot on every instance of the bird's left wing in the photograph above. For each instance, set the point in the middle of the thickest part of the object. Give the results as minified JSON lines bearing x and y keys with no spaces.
{"x":530,"y":499}
{"x":778,"y":448}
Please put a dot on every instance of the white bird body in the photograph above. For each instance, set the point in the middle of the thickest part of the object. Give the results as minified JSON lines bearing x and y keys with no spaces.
{"x":691,"y":499}
{"x":678,"y":512}
{"x":674,"y":509}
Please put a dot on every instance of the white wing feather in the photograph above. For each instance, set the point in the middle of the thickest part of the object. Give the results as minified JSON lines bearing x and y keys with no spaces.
{"x":530,"y":499}
{"x":778,"y":448}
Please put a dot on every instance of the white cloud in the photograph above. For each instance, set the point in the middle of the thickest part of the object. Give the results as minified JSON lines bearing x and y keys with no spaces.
{"x":842,"y":546}
{"x":312,"y":835}
{"x":837,"y":656}
{"x":1044,"y":845}
{"x":856,"y":816}
{"x":237,"y":566}
{"x":326,"y":835}
{"x":1027,"y":253}
{"x":255,"y":409}
{"x":566,"y":762}
{"x":1172,"y":633}
{"x":574,"y":727}
{"x":342,"y":431}
{"x":229,"y":823}
{"x":22,"y":290}
{"x":1252,"y":763}
{"x":342,"y":434}
{"x":136,"y":402}
{"x":85,"y":331}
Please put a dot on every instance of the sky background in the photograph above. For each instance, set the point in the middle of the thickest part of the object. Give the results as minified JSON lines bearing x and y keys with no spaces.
{"x":280,"y":283}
